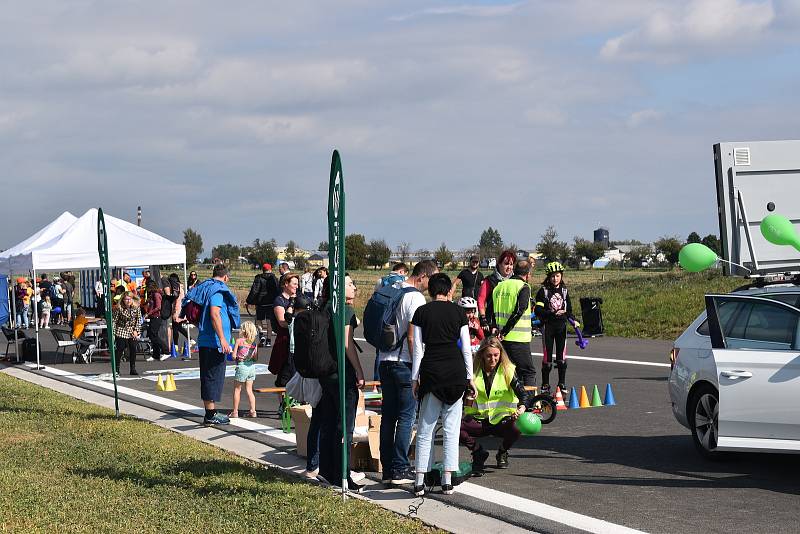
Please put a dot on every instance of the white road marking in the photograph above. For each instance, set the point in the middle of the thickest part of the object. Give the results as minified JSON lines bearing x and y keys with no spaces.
{"x":591,"y":358}
{"x":514,"y":502}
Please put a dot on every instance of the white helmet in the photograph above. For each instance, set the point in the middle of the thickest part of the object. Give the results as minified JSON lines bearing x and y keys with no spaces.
{"x":467,"y":302}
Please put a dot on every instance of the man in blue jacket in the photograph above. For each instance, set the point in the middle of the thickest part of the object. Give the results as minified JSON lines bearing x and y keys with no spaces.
{"x":220,"y":314}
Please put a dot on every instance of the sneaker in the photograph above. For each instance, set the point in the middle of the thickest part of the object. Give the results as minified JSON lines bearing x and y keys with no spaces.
{"x":164,"y":357}
{"x":502,"y":459}
{"x":447,"y":489}
{"x":403,"y":477}
{"x":563,"y":388}
{"x":216,"y":419}
{"x":134,"y":373}
{"x":386,"y":479}
{"x":311,"y":474}
{"x":74,"y":358}
{"x":150,"y":359}
{"x":546,"y":389}
{"x":419,"y":491}
{"x":479,"y":458}
{"x":357,"y":476}
{"x":268,"y":343}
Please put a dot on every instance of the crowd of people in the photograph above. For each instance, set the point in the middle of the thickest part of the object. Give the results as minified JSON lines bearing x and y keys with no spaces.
{"x":465,"y":362}
{"x":52,"y":300}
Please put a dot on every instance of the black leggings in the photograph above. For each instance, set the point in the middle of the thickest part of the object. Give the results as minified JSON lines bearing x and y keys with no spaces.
{"x":128,"y":344}
{"x":152,"y":332}
{"x":554,"y":344}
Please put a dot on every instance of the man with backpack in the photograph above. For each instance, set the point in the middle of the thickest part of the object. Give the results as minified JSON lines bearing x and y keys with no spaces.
{"x":387,"y":326}
{"x":262,"y":295}
{"x":212,"y":306}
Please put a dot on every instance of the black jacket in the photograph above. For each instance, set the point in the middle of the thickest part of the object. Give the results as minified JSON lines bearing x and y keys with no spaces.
{"x":263,"y":291}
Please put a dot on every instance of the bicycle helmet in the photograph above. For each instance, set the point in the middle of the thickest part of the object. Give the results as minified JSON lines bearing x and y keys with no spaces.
{"x":467,"y":302}
{"x":553,"y":267}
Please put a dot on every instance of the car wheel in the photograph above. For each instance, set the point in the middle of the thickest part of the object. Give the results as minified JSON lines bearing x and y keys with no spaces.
{"x":704,"y":421}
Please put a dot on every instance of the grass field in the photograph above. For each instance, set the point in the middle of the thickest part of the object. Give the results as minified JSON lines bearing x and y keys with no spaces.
{"x":636,"y":303}
{"x":68,"y":466}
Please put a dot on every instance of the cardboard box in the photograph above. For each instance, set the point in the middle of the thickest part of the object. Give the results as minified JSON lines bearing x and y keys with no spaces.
{"x":301,"y":416}
{"x":367,"y":456}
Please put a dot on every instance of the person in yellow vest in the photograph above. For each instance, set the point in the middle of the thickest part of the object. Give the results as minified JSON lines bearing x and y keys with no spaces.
{"x":512,"y":311}
{"x":499,"y":401}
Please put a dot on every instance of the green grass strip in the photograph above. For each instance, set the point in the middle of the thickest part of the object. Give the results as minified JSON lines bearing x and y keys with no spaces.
{"x":69,"y":466}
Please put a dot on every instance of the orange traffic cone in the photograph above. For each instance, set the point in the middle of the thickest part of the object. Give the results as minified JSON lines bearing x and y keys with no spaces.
{"x":584,"y":403}
{"x":560,"y":400}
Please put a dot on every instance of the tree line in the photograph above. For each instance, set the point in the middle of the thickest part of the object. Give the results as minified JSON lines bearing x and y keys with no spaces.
{"x":376,"y":253}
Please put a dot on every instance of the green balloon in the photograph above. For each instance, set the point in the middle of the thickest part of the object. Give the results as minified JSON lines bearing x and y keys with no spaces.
{"x":696,"y":257}
{"x":779,"y":230}
{"x":529,"y":424}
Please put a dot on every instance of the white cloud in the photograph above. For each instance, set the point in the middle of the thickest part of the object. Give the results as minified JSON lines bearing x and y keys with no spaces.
{"x":644,"y":116}
{"x":462,"y":10}
{"x":676,"y":32}
{"x":140,"y":63}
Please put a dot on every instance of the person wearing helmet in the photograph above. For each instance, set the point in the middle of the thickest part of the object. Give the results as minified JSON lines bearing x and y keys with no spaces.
{"x":470,"y":306}
{"x":554,"y":308}
{"x":512,"y":310}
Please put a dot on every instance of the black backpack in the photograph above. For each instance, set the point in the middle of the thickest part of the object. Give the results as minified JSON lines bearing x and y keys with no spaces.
{"x":314,"y":344}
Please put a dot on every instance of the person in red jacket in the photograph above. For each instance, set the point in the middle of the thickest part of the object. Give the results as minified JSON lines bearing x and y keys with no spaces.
{"x":152,"y":310}
{"x":503,"y":271}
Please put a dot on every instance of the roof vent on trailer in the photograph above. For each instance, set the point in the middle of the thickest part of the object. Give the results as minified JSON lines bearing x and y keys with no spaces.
{"x":741,"y":156}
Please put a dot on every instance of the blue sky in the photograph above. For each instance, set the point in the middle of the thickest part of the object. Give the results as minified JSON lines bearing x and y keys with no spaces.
{"x":450,"y":116}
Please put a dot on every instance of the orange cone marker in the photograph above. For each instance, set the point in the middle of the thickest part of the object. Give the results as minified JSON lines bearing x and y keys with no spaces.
{"x":584,"y":403}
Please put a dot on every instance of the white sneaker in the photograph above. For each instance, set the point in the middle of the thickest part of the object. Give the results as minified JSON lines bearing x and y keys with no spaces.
{"x":150,"y":359}
{"x":357,"y":476}
{"x":311,"y":474}
{"x":164,"y":357}
{"x":47,"y":327}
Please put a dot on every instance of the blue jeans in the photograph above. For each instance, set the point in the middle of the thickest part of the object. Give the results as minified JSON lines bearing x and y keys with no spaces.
{"x":22,"y":315}
{"x":431,"y":408}
{"x":397,"y":416}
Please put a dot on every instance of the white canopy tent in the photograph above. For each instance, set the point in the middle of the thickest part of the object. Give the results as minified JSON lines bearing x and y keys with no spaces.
{"x":52,"y":230}
{"x":46,"y":234}
{"x":76,"y":249}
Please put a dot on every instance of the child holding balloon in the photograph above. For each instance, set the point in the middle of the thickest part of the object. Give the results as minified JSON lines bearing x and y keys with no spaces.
{"x":498,"y":402}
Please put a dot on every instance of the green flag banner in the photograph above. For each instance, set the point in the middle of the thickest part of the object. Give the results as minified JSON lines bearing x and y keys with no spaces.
{"x":336,"y":265}
{"x":105,"y":276}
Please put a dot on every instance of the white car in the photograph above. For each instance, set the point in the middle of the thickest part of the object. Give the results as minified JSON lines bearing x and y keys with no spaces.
{"x":735,"y":379}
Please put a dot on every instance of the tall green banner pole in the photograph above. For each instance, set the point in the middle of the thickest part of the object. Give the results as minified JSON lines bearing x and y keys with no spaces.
{"x":102,"y":250}
{"x":336,"y":257}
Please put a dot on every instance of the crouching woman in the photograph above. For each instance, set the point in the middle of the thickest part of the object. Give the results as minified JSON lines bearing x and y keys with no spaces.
{"x":499,"y":401}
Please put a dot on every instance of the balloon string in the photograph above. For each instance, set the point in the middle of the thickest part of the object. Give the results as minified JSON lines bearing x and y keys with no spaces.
{"x":736,"y":264}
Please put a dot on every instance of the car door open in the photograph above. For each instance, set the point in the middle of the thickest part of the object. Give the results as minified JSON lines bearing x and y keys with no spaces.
{"x":757,"y":354}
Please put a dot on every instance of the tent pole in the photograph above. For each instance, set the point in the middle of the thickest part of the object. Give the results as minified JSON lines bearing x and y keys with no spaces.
{"x":36,"y":315}
{"x":13,"y":302}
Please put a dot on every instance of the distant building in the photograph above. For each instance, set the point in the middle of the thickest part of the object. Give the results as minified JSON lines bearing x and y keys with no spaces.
{"x":601,"y":236}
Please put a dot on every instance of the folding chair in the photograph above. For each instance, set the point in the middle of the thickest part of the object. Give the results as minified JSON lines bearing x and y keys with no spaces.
{"x":9,"y":334}
{"x":64,"y":340}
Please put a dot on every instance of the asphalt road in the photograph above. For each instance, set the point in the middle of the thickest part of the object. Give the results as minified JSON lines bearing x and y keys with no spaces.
{"x":631,"y":464}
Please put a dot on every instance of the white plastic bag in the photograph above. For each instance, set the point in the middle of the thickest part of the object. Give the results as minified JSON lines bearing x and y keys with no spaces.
{"x":304,"y":390}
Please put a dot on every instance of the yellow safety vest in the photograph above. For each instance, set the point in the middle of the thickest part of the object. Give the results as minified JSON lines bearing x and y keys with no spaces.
{"x":500,"y":402}
{"x":505,"y":304}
